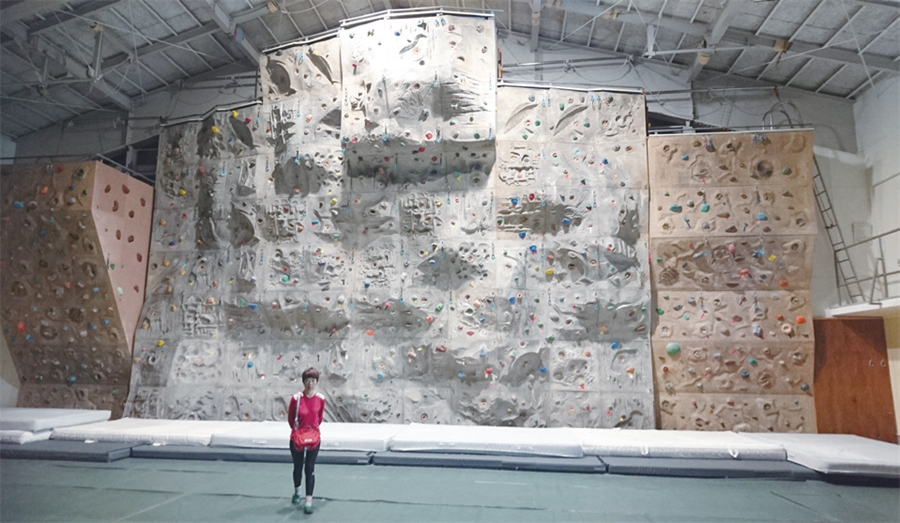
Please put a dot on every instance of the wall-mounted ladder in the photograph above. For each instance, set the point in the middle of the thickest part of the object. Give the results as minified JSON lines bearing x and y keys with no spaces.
{"x":845,"y":275}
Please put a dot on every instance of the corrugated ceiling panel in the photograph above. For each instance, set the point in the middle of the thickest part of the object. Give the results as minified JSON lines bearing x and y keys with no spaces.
{"x":753,"y":61}
{"x":684,"y":10}
{"x":142,"y":19}
{"x":199,"y":8}
{"x":257,"y":34}
{"x":846,"y":81}
{"x":787,"y":68}
{"x":789,"y":16}
{"x":280,"y":24}
{"x":750,"y":16}
{"x":216,"y":55}
{"x":189,"y":61}
{"x":721,"y":60}
{"x":815,"y":74}
{"x":235,"y":6}
{"x":161,"y":67}
{"x":174,"y":14}
{"x":634,"y":40}
{"x":355,"y":9}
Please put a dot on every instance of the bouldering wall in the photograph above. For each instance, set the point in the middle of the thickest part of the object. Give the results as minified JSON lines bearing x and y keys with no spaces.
{"x":74,"y":260}
{"x":442,"y":250}
{"x":733,"y":224}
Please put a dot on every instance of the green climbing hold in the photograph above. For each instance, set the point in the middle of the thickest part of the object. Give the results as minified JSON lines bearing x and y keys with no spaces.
{"x":704,"y":207}
{"x":537,"y":123}
{"x":660,"y":312}
{"x":550,"y":338}
{"x":786,"y":171}
{"x":753,"y":362}
{"x":673,"y":348}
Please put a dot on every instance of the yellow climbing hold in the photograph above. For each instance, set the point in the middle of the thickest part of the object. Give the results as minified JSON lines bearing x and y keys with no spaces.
{"x":214,"y":129}
{"x":548,"y":272}
{"x":234,"y":114}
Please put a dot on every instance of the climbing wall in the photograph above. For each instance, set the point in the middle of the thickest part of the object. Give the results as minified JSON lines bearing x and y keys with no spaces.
{"x":74,"y":243}
{"x":733,"y":225}
{"x":441,"y":250}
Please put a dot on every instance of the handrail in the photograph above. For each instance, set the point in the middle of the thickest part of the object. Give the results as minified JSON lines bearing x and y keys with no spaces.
{"x":867,"y":240}
{"x":879,"y":271}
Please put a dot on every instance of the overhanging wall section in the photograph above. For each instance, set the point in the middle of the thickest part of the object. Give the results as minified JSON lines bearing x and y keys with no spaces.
{"x":74,"y":243}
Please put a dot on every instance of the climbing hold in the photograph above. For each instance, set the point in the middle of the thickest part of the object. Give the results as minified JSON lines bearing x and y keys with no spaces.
{"x":753,"y":362}
{"x":704,"y":207}
{"x":800,"y":320}
{"x":675,"y":207}
{"x":673,"y":348}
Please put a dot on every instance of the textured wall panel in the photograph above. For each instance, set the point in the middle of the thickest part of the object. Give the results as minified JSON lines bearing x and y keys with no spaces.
{"x":74,"y":241}
{"x":425,"y":282}
{"x":733,"y":226}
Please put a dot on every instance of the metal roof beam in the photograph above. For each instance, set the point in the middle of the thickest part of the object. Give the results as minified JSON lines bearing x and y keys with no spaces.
{"x":60,"y":16}
{"x":729,"y":10}
{"x":740,"y":36}
{"x":536,"y":6}
{"x":162,"y":45}
{"x":230,"y":27}
{"x":81,"y":71}
{"x":25,"y":9}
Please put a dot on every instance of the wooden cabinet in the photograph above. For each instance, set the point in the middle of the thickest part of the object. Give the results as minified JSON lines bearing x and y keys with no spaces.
{"x":852,"y":385}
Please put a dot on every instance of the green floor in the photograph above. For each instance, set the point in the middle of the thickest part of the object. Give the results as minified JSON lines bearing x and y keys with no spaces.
{"x":171,"y":490}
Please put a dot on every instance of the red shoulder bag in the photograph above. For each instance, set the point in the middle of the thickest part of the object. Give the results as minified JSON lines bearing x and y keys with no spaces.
{"x":306,"y":437}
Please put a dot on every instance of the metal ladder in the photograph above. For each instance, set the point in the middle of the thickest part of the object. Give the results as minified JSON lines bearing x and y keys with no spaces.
{"x":844,"y":274}
{"x":843,"y":267}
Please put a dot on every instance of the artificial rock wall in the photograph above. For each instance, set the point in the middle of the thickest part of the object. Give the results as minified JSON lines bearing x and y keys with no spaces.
{"x":74,"y":243}
{"x":733,"y":224}
{"x":444,"y":251}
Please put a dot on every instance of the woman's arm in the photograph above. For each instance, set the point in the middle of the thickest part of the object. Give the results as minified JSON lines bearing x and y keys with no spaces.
{"x":292,"y":412}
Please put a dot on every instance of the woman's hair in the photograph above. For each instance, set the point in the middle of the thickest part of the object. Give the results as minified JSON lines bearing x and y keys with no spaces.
{"x":310,"y":373}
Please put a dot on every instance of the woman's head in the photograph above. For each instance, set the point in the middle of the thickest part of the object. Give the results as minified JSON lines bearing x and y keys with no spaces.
{"x":310,"y":373}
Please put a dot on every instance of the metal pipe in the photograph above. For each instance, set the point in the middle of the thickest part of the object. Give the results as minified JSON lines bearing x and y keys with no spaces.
{"x":867,"y":240}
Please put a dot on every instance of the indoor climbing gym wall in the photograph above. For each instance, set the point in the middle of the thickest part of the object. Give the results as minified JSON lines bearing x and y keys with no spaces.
{"x":75,"y":243}
{"x":733,"y":224}
{"x":442,"y":250}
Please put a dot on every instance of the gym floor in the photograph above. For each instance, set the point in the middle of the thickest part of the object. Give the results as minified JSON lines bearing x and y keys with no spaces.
{"x":137,"y":489}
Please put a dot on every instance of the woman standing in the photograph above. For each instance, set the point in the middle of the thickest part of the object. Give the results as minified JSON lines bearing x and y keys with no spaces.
{"x":305,"y":412}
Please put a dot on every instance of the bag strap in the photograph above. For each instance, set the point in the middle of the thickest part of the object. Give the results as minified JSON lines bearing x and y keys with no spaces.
{"x":298,"y":397}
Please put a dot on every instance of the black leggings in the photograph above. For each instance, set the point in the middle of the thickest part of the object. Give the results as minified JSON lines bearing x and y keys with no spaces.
{"x":305,"y":461}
